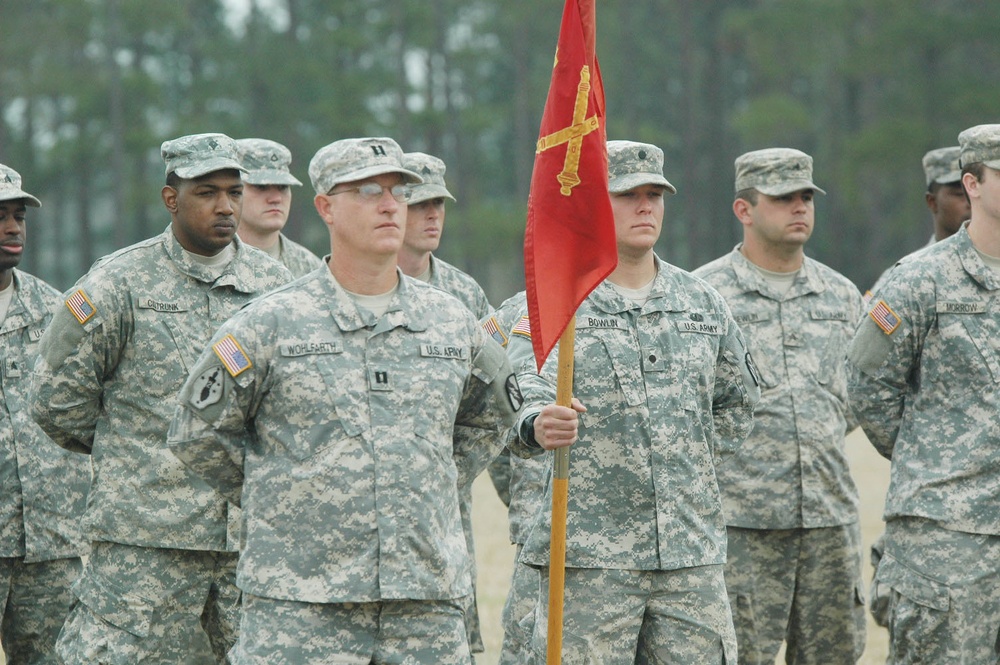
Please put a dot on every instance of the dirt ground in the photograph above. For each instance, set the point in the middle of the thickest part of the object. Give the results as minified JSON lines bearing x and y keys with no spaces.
{"x":494,"y":553}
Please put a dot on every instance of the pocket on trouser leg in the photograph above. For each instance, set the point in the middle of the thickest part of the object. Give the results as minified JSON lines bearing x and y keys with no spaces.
{"x":918,"y":614}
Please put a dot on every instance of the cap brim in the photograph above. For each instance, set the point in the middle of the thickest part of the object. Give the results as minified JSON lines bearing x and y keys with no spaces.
{"x":371,"y":171}
{"x":993,"y":163}
{"x":268,"y":177}
{"x":209,"y":166}
{"x":949,"y":178}
{"x":29,"y":200}
{"x":632,"y":180}
{"x":788,"y":187}
{"x":426,"y":192}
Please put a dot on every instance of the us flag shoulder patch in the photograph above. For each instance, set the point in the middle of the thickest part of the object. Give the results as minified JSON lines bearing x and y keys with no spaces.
{"x":884,"y":317}
{"x":232,"y":355}
{"x":492,"y":328}
{"x":80,"y":306}
{"x":522,"y":328}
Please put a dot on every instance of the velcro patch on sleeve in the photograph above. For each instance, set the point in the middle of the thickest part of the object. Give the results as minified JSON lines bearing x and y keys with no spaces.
{"x":80,"y":306}
{"x":492,"y":328}
{"x":232,"y":355}
{"x":884,"y":317}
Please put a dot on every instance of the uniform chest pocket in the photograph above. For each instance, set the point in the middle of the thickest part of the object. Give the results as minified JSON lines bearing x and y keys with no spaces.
{"x":970,"y":339}
{"x":829,"y":332}
{"x":608,"y":372}
{"x":164,"y":346}
{"x":760,"y":330}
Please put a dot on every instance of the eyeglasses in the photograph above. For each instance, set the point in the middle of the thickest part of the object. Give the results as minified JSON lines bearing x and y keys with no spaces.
{"x":372,"y":191}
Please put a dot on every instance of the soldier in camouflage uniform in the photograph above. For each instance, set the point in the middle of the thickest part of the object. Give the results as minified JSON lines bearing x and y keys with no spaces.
{"x":425,"y":211}
{"x":794,"y":560}
{"x":334,"y":410}
{"x":267,"y":199}
{"x":44,"y":486}
{"x":665,"y":390}
{"x":159,"y":585}
{"x":924,"y":381}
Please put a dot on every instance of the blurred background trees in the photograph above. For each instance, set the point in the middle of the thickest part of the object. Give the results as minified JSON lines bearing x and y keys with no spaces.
{"x":90,"y":88}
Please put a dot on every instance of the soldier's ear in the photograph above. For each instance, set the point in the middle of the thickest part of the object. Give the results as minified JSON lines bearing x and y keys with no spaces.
{"x":741,"y":208}
{"x":169,"y":196}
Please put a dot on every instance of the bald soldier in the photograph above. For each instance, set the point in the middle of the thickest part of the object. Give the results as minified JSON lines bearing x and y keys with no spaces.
{"x":267,"y":200}
{"x":794,"y":555}
{"x":44,"y":488}
{"x":159,"y":584}
{"x":334,"y":411}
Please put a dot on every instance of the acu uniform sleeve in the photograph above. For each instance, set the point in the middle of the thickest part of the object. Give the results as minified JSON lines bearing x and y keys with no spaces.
{"x":208,"y":433}
{"x":78,"y":351}
{"x":737,"y":391}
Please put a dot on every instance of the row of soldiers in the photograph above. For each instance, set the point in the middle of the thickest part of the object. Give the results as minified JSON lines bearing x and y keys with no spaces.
{"x":282,"y":469}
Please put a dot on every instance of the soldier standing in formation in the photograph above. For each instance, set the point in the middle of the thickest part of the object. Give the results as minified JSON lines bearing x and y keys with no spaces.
{"x":923,"y":378}
{"x":44,"y":488}
{"x":159,"y":585}
{"x":334,"y":410}
{"x":794,"y":556}
{"x":664,"y":391}
{"x":267,"y":200}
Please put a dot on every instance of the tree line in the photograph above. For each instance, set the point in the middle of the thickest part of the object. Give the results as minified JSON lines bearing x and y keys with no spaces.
{"x":90,"y":88}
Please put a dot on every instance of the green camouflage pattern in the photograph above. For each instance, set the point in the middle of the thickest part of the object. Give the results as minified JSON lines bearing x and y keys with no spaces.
{"x":925,"y":391}
{"x":108,"y":387}
{"x":10,"y":187}
{"x":266,"y":162}
{"x":43,"y":488}
{"x":644,"y":493}
{"x":632,"y":164}
{"x":364,"y":431}
{"x":152,"y":605}
{"x":297,"y":258}
{"x":349,"y":160}
{"x":198,"y":154}
{"x":626,"y":617}
{"x":33,"y":606}
{"x":942,"y":166}
{"x":407,"y":632}
{"x":943,"y":587}
{"x":775,"y":171}
{"x":431,"y":170}
{"x":800,"y":586}
{"x":980,"y":144}
{"x":792,"y":471}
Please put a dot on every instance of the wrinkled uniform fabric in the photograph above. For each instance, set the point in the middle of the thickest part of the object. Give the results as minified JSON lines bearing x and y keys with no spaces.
{"x":108,"y":387}
{"x":297,"y":258}
{"x":348,"y":440}
{"x":925,"y":385}
{"x":670,"y":390}
{"x":792,"y":472}
{"x":44,"y":491}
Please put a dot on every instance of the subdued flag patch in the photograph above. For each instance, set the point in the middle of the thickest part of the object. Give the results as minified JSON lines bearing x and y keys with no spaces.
{"x":80,"y":306}
{"x":884,"y":317}
{"x":492,"y":328}
{"x":232,"y":356}
{"x":522,"y":328}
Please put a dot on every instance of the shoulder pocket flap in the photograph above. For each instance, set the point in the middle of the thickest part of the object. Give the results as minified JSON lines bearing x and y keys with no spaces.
{"x":129,"y":613}
{"x":911,"y":584}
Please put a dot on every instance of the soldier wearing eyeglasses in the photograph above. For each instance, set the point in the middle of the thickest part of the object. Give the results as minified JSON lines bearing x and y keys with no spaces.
{"x":346,"y":411}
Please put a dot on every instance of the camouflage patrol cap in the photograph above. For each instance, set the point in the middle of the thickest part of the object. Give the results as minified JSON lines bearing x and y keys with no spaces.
{"x":632,"y":164}
{"x":431,"y":169}
{"x":981,"y":144}
{"x":195,"y":155}
{"x":941,"y":166}
{"x":10,"y":188}
{"x":348,"y":160}
{"x":775,"y":171}
{"x":266,"y":162}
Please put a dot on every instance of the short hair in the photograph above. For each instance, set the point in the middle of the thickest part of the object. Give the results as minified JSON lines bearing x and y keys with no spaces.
{"x":978,"y":169}
{"x":174,"y":180}
{"x":750,"y":195}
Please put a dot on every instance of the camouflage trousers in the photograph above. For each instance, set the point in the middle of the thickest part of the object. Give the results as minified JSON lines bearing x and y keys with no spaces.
{"x":391,"y":632}
{"x":641,"y":617}
{"x":944,"y":598}
{"x":471,"y":607}
{"x":801,"y":586}
{"x":518,"y":612}
{"x":36,"y":598}
{"x":149,"y":605}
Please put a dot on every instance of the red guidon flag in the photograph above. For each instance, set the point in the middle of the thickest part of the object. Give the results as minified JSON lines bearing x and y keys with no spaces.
{"x":569,"y":244}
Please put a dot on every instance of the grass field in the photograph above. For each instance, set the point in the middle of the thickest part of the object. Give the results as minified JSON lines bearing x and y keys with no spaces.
{"x":494,"y":553}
